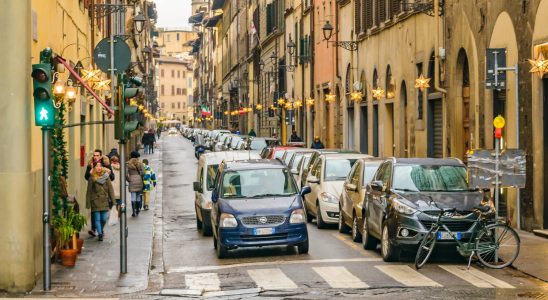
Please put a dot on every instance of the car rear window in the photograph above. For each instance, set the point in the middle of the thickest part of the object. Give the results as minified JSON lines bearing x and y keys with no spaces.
{"x":338,"y":169}
{"x":253,"y":183}
{"x":211,"y":172}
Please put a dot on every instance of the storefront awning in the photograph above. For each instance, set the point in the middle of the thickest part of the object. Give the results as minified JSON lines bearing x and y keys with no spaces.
{"x":217,"y":4}
{"x":195,"y":19}
{"x":84,"y":84}
{"x":212,"y":22}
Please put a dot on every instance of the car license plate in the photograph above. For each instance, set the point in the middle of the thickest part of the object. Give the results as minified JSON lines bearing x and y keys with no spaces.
{"x":263,"y":231}
{"x":444,"y":235}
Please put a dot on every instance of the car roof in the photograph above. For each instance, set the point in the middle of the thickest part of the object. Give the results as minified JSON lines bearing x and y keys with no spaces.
{"x":252,"y":164}
{"x":372,"y":160}
{"x":428,"y":161}
{"x":345,"y":155}
{"x":215,"y":158}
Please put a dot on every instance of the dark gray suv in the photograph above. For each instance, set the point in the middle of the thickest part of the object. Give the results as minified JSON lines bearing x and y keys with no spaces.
{"x":404,"y":198}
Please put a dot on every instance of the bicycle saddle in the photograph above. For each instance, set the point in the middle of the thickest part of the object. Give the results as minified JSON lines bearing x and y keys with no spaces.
{"x":482,"y":208}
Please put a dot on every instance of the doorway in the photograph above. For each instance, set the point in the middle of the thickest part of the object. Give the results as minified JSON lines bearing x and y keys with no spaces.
{"x":545,"y":133}
{"x":350,"y":127}
{"x":364,"y":138}
{"x":435,"y":128}
{"x":376,"y":130}
{"x":389,"y":130}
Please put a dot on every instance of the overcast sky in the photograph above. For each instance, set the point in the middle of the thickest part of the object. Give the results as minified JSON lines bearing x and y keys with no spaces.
{"x":173,"y":13}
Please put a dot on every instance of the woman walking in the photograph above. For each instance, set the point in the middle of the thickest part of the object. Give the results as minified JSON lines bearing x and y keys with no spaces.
{"x":134,"y":176}
{"x":98,"y":195}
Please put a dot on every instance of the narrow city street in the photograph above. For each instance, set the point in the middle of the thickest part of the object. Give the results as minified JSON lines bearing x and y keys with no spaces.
{"x":184,"y":262}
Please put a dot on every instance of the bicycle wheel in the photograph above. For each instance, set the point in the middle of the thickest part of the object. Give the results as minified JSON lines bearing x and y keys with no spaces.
{"x":499,"y":239}
{"x":426,"y":248}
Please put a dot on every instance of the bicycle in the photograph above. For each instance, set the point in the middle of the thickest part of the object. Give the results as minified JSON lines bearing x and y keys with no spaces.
{"x":490,"y":242}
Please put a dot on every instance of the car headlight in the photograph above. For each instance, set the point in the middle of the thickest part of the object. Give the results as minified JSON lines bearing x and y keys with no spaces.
{"x":402,"y":208}
{"x":297,"y":217}
{"x":228,"y":221}
{"x":327,"y":197}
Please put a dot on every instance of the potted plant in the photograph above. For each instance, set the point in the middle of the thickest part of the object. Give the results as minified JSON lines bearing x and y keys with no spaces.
{"x":65,"y":233}
{"x":78,"y":222}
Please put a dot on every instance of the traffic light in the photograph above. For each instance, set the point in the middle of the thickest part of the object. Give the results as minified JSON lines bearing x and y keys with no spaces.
{"x":44,"y":111}
{"x":124,"y":115}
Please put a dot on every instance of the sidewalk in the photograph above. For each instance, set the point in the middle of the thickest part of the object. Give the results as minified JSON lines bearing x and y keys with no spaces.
{"x":533,"y":255}
{"x":97,"y":270}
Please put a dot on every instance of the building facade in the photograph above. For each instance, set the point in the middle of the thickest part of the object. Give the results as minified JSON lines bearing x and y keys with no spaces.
{"x":175,"y":90}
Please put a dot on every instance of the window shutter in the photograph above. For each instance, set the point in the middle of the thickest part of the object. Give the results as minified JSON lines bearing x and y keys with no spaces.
{"x":357,"y":16}
{"x":369,"y":13}
{"x":382,"y":10}
{"x":396,"y":7}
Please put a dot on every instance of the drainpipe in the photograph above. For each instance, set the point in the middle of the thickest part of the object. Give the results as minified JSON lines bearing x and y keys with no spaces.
{"x":338,"y":74}
{"x":437,"y":86}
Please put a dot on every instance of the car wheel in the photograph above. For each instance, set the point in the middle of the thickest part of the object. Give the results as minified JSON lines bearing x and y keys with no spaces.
{"x":343,"y":228}
{"x":309,"y":217}
{"x":198,"y":222}
{"x":222,"y":251}
{"x":206,"y":228}
{"x":368,"y":242}
{"x":389,"y":252}
{"x":303,"y":247}
{"x":319,"y":221}
{"x":356,"y":235}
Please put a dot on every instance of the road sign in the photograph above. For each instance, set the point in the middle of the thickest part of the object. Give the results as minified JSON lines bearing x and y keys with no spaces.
{"x":122,"y":55}
{"x":495,"y":59}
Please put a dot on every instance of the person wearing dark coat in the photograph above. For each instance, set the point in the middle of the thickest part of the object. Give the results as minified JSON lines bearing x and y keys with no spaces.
{"x":98,"y":195}
{"x":317,"y":144}
{"x":105,"y":162}
{"x":252,"y":133}
{"x":294,"y":137}
{"x":135,"y":173}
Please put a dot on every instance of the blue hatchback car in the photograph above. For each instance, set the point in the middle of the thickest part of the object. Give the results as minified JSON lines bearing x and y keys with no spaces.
{"x":256,"y":203}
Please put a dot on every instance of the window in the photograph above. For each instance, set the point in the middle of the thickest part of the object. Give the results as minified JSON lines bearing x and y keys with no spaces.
{"x":163,"y":105}
{"x":173,"y":105}
{"x":338,"y":169}
{"x":162,"y":90}
{"x":172,"y":73}
{"x":162,"y":72}
{"x":178,"y":105}
{"x":189,"y":83}
{"x":354,"y":175}
{"x":211,"y":172}
{"x":177,"y":36}
{"x":368,"y":173}
{"x":430,"y":178}
{"x":178,"y":73}
{"x":190,"y":99}
{"x":184,"y":92}
{"x":178,"y":91}
{"x":419,"y":95}
{"x":272,"y":16}
{"x":250,"y":183}
{"x":168,"y":38}
{"x":172,"y":90}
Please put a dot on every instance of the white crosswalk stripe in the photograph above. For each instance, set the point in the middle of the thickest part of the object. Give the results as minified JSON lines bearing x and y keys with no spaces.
{"x":271,"y":279}
{"x":340,"y":277}
{"x":490,"y":279}
{"x":407,"y":276}
{"x":462,"y":273}
{"x":206,"y":282}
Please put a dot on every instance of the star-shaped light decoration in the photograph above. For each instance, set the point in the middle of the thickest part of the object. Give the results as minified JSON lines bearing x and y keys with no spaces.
{"x":103,"y":85}
{"x":378,"y":93}
{"x":309,"y":101}
{"x":281,"y":101}
{"x":288,"y":105}
{"x":422,"y":82}
{"x":298,"y":103}
{"x":91,"y":76}
{"x":539,"y":66}
{"x":356,"y":96}
{"x":259,"y":106}
{"x":330,"y":98}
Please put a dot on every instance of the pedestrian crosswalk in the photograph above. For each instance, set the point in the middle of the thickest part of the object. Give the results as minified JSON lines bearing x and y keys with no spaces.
{"x":291,"y":277}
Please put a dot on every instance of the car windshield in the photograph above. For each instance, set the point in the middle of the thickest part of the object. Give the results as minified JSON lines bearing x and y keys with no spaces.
{"x":252,"y":183}
{"x":338,"y":169}
{"x":288,"y":157}
{"x":279,"y":154}
{"x":296,"y":160}
{"x":369,"y":172}
{"x":426,"y":178}
{"x":211,"y":172}
{"x":257,"y":144}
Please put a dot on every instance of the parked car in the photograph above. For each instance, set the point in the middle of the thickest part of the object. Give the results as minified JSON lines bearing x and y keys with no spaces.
{"x":404,"y":198}
{"x":278,"y":152}
{"x":324,"y":186}
{"x":255,"y":144}
{"x":221,"y":139}
{"x":172,"y":131}
{"x":204,"y":184}
{"x":256,"y":203}
{"x":316,"y":155}
{"x":288,"y":155}
{"x":297,"y":170}
{"x":353,"y":193}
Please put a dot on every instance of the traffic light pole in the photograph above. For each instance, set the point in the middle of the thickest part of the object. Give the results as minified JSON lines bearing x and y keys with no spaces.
{"x":45,"y":212}
{"x":123,"y":220}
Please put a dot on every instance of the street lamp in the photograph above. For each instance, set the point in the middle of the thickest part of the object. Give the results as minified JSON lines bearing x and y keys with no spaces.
{"x":327,"y":29}
{"x":273,"y":57}
{"x":139,"y":21}
{"x":291,"y":46}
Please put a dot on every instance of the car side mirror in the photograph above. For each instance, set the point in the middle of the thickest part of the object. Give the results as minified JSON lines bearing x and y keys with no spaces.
{"x":377,"y":185}
{"x":197,"y":187}
{"x":313,"y":179}
{"x":214,"y":196}
{"x":351,"y":187}
{"x":305,"y":190}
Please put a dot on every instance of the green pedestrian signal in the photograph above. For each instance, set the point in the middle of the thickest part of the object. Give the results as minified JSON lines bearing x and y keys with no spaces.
{"x":44,"y":111}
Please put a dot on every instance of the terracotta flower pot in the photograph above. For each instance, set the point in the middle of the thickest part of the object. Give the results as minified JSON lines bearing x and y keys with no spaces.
{"x":68,"y":257}
{"x":79,"y":245}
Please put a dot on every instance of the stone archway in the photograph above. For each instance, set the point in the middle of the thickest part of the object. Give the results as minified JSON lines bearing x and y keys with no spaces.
{"x":462,"y":107}
{"x":404,"y":143}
